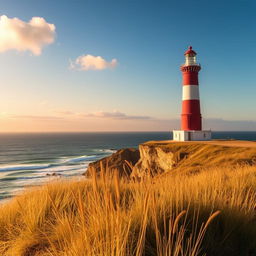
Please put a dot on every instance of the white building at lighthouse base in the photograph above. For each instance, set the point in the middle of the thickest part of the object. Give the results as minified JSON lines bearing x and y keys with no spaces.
{"x":180,"y":135}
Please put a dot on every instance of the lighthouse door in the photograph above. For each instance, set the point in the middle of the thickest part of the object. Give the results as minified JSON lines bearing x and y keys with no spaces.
{"x":189,"y":136}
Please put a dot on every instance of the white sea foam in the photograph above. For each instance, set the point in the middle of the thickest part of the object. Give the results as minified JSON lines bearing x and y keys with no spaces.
{"x":22,"y":167}
{"x":80,"y":159}
{"x":14,"y":178}
{"x":108,"y":151}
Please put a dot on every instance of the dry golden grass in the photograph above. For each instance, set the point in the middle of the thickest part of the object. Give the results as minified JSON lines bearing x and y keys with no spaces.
{"x":208,"y":213}
{"x":195,"y":156}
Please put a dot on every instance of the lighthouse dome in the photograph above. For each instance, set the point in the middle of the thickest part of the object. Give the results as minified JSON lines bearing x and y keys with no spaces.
{"x":190,"y":52}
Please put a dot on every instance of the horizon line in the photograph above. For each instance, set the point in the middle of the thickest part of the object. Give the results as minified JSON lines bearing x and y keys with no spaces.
{"x":158,"y":131}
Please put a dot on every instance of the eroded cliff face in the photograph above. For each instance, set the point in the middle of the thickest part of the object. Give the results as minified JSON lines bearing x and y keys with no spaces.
{"x":153,"y":160}
{"x":164,"y":157}
{"x":122,"y":160}
{"x":161,"y":157}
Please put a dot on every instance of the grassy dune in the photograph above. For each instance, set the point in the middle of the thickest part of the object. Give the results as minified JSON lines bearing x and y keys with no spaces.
{"x":207,"y":213}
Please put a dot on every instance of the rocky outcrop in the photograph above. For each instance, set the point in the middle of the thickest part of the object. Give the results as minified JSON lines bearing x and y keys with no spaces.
{"x":122,"y":161}
{"x":160,"y":157}
{"x":156,"y":160}
{"x":153,"y":160}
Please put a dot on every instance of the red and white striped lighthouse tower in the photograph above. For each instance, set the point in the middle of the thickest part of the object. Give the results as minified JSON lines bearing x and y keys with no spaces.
{"x":191,"y":122}
{"x":191,"y":115}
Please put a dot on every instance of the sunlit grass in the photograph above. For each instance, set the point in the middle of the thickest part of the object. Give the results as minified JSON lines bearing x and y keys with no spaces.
{"x":207,"y":213}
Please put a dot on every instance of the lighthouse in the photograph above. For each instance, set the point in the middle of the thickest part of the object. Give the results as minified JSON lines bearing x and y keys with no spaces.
{"x":191,"y":120}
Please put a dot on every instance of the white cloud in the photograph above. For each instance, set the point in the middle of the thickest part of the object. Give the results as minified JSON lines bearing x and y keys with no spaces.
{"x":16,"y":34}
{"x":66,"y":114}
{"x":116,"y":115}
{"x":90,"y":62}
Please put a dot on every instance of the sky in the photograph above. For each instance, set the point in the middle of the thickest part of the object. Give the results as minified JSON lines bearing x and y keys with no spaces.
{"x":113,"y":65}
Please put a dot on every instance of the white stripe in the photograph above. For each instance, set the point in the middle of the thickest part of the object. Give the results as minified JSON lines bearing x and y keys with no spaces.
{"x":190,"y":92}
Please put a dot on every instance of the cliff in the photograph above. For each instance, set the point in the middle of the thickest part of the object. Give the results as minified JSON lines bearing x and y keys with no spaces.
{"x":159,"y":157}
{"x":122,"y":160}
{"x":162,"y":157}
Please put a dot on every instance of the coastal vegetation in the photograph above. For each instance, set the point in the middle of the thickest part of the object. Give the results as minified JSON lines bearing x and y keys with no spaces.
{"x":211,"y":212}
{"x":165,"y":157}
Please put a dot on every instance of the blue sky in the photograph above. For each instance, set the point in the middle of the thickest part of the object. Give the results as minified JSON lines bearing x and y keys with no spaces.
{"x":143,"y":92}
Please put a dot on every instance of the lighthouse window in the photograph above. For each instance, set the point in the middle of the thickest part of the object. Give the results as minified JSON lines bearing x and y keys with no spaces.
{"x":191,"y":60}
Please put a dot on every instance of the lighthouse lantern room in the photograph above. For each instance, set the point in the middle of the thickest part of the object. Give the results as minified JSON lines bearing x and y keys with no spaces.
{"x":191,"y":121}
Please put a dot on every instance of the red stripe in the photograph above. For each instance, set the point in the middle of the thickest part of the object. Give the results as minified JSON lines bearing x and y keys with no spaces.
{"x":190,"y":78}
{"x":191,"y":116}
{"x":191,"y":107}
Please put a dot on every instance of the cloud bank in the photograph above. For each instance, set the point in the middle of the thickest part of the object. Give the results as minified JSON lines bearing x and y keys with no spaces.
{"x":219,"y":124}
{"x":117,"y":115}
{"x":90,"y":62}
{"x":118,"y":121}
{"x":32,"y":36}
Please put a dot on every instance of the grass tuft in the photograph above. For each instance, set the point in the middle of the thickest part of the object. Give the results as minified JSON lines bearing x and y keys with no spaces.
{"x":211,"y":212}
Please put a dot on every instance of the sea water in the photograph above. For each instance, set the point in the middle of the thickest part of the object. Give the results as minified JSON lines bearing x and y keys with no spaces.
{"x":32,"y":159}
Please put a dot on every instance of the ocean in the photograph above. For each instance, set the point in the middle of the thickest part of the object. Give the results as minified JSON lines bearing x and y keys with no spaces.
{"x":31,"y":159}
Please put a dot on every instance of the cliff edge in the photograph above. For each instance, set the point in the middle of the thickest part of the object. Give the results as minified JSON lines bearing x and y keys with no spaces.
{"x":122,"y":161}
{"x":160,"y":157}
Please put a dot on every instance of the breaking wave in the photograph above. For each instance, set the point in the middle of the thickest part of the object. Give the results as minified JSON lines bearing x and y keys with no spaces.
{"x":67,"y":161}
